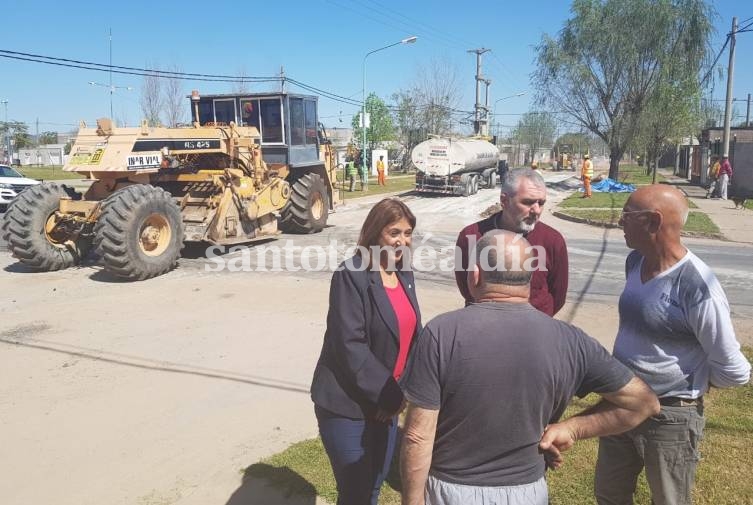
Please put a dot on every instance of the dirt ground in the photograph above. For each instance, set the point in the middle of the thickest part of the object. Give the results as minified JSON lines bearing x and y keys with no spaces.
{"x":162,"y":392}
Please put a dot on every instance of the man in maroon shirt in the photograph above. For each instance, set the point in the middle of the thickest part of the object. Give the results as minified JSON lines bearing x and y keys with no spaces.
{"x":523,"y":198}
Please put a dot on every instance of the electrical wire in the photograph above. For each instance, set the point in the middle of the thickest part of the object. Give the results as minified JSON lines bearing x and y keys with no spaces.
{"x":719,"y":54}
{"x":167,"y":73}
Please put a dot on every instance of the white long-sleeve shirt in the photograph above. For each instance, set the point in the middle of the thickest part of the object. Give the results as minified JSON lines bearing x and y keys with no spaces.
{"x":676,"y":331}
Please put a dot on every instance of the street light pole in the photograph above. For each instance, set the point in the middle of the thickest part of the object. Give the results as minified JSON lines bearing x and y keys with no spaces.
{"x":408,"y":40}
{"x":7,"y":134}
{"x":494,"y":107}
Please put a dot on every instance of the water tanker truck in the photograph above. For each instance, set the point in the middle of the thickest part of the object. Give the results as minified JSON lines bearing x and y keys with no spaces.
{"x":455,"y":166}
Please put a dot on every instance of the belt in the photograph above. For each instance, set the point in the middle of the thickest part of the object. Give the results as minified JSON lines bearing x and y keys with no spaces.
{"x":674,"y":401}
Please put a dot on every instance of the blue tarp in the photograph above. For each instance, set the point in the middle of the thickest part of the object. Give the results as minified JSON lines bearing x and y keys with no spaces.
{"x":611,"y":186}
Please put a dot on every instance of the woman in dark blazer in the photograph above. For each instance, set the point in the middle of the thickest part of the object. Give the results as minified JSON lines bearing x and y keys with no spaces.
{"x":373,"y":318}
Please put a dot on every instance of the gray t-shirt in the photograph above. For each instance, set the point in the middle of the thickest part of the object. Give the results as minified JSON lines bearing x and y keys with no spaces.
{"x":499,"y":373}
{"x":676,"y":331}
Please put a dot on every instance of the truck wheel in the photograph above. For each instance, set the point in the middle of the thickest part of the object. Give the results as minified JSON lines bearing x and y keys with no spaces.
{"x":307,"y":209}
{"x":139,"y":233}
{"x":30,"y":231}
{"x":493,"y":180}
{"x":466,"y":184}
{"x":475,"y":184}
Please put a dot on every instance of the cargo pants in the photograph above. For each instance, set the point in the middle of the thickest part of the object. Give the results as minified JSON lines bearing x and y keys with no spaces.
{"x":666,"y":445}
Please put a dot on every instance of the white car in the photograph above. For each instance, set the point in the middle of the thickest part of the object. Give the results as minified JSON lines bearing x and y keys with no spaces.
{"x":11,"y":184}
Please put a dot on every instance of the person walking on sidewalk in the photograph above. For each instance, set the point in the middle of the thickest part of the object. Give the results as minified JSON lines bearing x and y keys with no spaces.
{"x":676,"y":334}
{"x":586,"y":174}
{"x":380,"y":171}
{"x":713,"y":177}
{"x":725,"y":174}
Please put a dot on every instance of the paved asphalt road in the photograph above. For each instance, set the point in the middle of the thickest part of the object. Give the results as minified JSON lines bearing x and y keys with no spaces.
{"x":596,"y":265}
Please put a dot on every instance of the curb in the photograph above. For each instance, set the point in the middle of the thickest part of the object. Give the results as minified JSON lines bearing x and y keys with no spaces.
{"x":573,"y":219}
{"x":602,"y":224}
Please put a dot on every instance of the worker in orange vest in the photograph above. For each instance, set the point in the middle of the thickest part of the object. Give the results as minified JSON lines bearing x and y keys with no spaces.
{"x":586,"y":174}
{"x":380,"y":171}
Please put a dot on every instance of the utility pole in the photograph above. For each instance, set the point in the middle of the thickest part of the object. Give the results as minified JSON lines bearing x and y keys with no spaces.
{"x":730,"y":73}
{"x":479,"y":78}
{"x":485,"y":124}
{"x":282,"y":79}
{"x":747,"y":113}
{"x":7,"y":145}
{"x":111,"y":90}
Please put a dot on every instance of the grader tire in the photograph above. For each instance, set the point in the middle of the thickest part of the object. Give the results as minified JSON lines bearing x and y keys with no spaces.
{"x":139,"y":234}
{"x":307,"y":209}
{"x":28,"y":230}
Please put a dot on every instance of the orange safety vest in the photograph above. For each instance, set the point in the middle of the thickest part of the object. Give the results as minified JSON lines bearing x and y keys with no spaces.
{"x":588,"y":169}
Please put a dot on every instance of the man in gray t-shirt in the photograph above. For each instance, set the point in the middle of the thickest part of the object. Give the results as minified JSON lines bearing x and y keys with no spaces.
{"x":484,"y":382}
{"x":676,"y":334}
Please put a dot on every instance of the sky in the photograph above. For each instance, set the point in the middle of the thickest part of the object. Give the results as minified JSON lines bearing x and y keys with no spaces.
{"x":318,"y":42}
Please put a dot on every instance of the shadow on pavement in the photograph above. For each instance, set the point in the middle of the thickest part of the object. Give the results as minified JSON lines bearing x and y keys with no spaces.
{"x":268,"y":485}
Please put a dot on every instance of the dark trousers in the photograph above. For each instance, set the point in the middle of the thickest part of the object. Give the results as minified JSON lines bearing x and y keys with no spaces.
{"x":360,"y":452}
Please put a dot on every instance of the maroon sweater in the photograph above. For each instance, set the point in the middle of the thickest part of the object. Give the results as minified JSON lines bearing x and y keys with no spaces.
{"x":548,"y":288}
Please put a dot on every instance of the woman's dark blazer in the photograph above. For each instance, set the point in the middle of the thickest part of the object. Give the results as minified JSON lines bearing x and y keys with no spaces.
{"x":354,"y":374}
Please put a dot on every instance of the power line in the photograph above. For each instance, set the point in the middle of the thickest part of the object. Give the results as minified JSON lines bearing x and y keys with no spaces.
{"x":719,"y":54}
{"x":162,"y":73}
{"x":144,"y":72}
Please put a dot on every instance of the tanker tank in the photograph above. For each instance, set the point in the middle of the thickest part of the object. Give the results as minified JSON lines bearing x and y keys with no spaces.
{"x":455,"y":166}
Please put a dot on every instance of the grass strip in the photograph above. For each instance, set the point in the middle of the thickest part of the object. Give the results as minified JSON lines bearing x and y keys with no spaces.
{"x":723,"y":475}
{"x":47,"y":173}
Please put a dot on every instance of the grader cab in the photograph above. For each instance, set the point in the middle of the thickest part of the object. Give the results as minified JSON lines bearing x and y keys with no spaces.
{"x":247,"y":162}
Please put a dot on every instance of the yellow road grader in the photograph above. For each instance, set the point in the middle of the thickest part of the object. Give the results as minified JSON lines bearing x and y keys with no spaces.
{"x":245,"y":161}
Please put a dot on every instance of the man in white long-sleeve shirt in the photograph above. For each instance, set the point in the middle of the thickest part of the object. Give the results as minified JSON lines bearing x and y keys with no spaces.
{"x":676,"y":334}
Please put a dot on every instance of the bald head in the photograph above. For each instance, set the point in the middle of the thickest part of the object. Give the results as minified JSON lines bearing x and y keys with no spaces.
{"x":669,"y":201}
{"x":502,"y":266}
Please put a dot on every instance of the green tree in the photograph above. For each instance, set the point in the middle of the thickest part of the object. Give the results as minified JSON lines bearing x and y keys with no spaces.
{"x":48,"y":138}
{"x":613,"y":57}
{"x":380,"y":127}
{"x":536,"y":129}
{"x":671,"y":112}
{"x":579,"y":142}
{"x":19,"y":132}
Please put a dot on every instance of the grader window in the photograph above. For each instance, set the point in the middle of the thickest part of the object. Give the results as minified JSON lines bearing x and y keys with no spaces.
{"x":271,"y":121}
{"x":311,"y":137}
{"x":296,"y":122}
{"x":224,"y":111}
{"x":205,"y":113}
